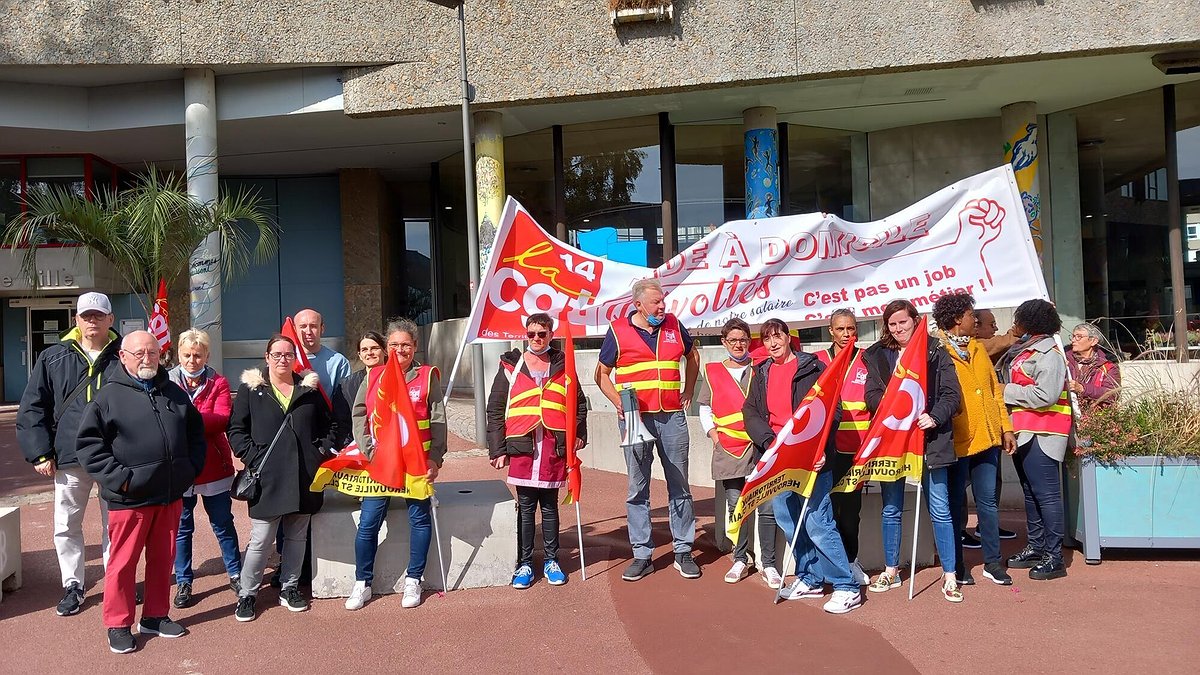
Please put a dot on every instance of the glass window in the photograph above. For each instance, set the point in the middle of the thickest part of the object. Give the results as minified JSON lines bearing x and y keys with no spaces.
{"x":529,"y":174}
{"x":44,"y":172}
{"x":710,"y":179}
{"x":10,"y":190}
{"x":450,"y":241}
{"x":614,"y":190}
{"x":820,"y":172}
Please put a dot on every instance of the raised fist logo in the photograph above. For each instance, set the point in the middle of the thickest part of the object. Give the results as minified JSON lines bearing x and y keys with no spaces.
{"x":988,"y":216}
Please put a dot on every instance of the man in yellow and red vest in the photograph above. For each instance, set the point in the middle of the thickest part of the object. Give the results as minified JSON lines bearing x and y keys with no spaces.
{"x":644,"y":349}
{"x":843,"y":328}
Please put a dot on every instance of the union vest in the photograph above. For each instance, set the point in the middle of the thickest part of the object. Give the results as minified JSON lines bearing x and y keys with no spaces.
{"x":1053,"y":419}
{"x":855,"y":417}
{"x":726,"y":402}
{"x":530,"y":406}
{"x":653,"y":375}
{"x":418,"y":394}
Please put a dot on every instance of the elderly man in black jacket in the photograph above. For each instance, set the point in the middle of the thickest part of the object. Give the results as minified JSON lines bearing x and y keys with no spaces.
{"x":142,"y":440}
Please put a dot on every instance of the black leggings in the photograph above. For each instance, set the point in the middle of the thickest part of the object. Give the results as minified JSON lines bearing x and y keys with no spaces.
{"x":528,"y":499}
{"x":846,"y":507}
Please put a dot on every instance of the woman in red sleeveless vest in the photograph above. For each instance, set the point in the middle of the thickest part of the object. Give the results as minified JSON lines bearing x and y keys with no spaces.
{"x":425,"y":392}
{"x":734,"y":455}
{"x":526,"y":431}
{"x":1034,"y":371}
{"x":1094,"y":379}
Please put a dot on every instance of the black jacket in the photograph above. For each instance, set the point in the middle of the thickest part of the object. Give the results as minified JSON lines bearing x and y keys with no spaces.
{"x":142,"y":447}
{"x":45,"y":429}
{"x":942,"y":400}
{"x":343,"y":403}
{"x":757,"y":416}
{"x":307,"y":441}
{"x":497,"y":403}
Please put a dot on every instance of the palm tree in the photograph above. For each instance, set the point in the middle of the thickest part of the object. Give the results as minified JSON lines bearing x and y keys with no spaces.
{"x":147,"y":231}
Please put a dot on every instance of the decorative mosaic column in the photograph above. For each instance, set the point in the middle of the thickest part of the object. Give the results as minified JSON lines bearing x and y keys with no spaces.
{"x":489,"y":178}
{"x":762,"y":162}
{"x":1018,"y":123}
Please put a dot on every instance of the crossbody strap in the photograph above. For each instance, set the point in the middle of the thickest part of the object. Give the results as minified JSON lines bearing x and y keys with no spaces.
{"x":262,"y":462}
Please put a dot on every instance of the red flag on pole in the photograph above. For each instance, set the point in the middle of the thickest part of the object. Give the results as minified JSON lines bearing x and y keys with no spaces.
{"x":159,"y":327}
{"x":400,"y":459}
{"x":301,"y":364}
{"x":794,"y":458}
{"x":894,"y":447}
{"x":574,"y":478}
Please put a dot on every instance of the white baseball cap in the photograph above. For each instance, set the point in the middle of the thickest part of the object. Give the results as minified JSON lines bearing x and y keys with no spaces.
{"x":94,"y":302}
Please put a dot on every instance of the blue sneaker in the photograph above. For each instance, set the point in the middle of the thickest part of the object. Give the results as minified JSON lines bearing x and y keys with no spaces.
{"x":554,"y":573}
{"x":523,"y":577}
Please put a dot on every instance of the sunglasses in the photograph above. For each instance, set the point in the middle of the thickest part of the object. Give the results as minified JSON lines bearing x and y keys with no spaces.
{"x":541,"y":334}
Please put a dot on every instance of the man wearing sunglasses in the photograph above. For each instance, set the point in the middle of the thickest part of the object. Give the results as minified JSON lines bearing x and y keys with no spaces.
{"x":644,"y":349}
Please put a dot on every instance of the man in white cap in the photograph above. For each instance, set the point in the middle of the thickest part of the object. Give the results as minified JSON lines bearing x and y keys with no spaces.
{"x":64,"y":379}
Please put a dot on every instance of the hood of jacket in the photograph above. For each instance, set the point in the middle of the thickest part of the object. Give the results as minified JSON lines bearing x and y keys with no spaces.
{"x":257,"y":377}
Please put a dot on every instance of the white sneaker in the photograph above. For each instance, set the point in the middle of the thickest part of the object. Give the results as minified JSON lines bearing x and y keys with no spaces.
{"x":860,"y":577}
{"x":739,"y":571}
{"x":359,"y":596}
{"x":412,"y":593}
{"x":799,"y":590}
{"x":843,"y":601}
{"x":771,"y":576}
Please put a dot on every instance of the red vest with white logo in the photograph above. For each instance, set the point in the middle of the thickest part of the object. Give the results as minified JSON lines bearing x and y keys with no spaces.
{"x":418,"y":393}
{"x":1053,"y":419}
{"x":531,"y":406}
{"x":653,"y":374}
{"x":855,"y":417}
{"x":726,"y":402}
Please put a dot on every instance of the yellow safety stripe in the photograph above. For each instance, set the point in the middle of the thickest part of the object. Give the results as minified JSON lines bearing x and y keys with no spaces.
{"x":532,"y":393}
{"x":524,"y":410}
{"x":854,"y":405}
{"x":728,"y":419}
{"x":733,"y":433}
{"x":647,"y":365}
{"x":854,"y":426}
{"x":556,"y":387}
{"x":1062,"y":409}
{"x":553,"y":406}
{"x":651,"y":384}
{"x":422,"y":424}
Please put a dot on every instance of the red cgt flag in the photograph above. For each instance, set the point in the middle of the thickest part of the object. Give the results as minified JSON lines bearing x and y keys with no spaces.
{"x":301,"y":363}
{"x":794,"y":459}
{"x":574,"y":478}
{"x":894,"y":447}
{"x":159,"y":326}
{"x":400,"y":458}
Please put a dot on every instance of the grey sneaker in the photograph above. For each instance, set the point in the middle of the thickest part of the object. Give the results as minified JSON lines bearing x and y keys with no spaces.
{"x":72,"y":602}
{"x":687,"y":566}
{"x":162,"y":626}
{"x":120,"y":641}
{"x":638,"y":569}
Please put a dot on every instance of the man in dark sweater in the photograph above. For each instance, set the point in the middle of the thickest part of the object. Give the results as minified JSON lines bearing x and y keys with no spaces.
{"x":142,"y":440}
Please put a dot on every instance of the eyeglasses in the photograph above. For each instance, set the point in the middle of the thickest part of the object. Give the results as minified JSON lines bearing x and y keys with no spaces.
{"x":737,"y":341}
{"x":281,"y":356}
{"x":142,"y":354}
{"x":397,"y":346}
{"x":541,"y":334}
{"x":1077,"y":338}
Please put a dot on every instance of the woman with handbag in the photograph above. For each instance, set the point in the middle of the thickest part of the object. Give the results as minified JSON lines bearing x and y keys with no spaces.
{"x":281,"y":428}
{"x":209,"y":392}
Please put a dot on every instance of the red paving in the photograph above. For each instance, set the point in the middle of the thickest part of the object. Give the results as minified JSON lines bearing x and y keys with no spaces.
{"x":1122,"y":616}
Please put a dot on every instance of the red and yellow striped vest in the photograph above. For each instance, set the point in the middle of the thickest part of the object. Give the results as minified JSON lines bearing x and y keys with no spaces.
{"x":1053,"y":419}
{"x":418,"y":393}
{"x":855,"y":417}
{"x":726,"y":402}
{"x":653,"y":375}
{"x":530,"y":406}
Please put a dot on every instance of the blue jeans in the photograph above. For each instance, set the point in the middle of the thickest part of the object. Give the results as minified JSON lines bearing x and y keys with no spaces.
{"x":1041,"y":480}
{"x":221,"y":518}
{"x":820,"y":555}
{"x":366,"y":542}
{"x":937,"y":492}
{"x":671,"y":440}
{"x":980,"y":471}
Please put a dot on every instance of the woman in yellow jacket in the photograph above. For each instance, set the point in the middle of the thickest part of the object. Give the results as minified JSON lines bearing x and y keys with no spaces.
{"x":981,"y":428}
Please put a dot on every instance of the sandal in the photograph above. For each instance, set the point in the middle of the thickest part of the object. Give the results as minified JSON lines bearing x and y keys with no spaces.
{"x":885,"y":582}
{"x":951,"y":592}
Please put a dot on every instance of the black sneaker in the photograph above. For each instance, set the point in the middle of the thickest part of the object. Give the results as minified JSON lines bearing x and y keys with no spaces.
{"x":995,"y":572}
{"x":687,"y":566}
{"x":120,"y":641}
{"x":277,"y":579}
{"x":293,"y":599}
{"x":235,"y":583}
{"x":161,"y":626}
{"x":1048,"y":568}
{"x":639,"y":568}
{"x":245,"y":609}
{"x":971,"y":542}
{"x":1027,"y":558}
{"x":72,"y":601}
{"x":183,"y":595}
{"x":965,"y":579}
{"x":1004,"y":534}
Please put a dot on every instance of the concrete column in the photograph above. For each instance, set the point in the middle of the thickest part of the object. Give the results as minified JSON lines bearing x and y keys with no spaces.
{"x":489,"y":178}
{"x":366,"y":251}
{"x":762,"y":162}
{"x":200,"y":130}
{"x":1067,"y":251}
{"x":1018,"y":125}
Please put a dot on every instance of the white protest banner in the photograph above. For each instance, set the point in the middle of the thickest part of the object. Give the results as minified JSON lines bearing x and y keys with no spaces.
{"x":971,"y":236}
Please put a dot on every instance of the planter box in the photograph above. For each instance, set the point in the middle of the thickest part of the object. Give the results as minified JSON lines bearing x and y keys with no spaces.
{"x":1139,"y":502}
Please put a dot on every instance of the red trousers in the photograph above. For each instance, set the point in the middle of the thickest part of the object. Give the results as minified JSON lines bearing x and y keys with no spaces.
{"x":130,"y":531}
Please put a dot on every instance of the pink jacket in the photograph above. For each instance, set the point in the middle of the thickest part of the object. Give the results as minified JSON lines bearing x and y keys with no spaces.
{"x":214,"y":403}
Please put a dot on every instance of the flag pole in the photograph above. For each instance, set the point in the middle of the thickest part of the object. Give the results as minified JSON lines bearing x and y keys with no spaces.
{"x":912,"y":574}
{"x":454,"y":371}
{"x":579,"y":530}
{"x":787,"y":553}
{"x":438,"y":538}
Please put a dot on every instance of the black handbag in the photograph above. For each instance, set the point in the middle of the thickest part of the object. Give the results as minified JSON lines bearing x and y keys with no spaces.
{"x":246,"y":483}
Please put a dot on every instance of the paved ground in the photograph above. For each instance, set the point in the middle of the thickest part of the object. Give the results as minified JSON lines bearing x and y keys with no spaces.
{"x":1123,"y":616}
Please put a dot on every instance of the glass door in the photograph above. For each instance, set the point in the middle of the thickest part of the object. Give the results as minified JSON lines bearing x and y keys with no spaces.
{"x":45,"y":325}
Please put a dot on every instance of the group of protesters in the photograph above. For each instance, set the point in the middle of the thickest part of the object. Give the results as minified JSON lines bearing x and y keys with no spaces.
{"x":101,"y":408}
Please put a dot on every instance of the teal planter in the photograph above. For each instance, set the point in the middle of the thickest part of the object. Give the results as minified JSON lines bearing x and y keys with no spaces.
{"x":1138,"y":502}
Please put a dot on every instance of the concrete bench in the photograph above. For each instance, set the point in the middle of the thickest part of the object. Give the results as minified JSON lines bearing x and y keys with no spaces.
{"x":477,"y":522}
{"x":10,"y":550}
